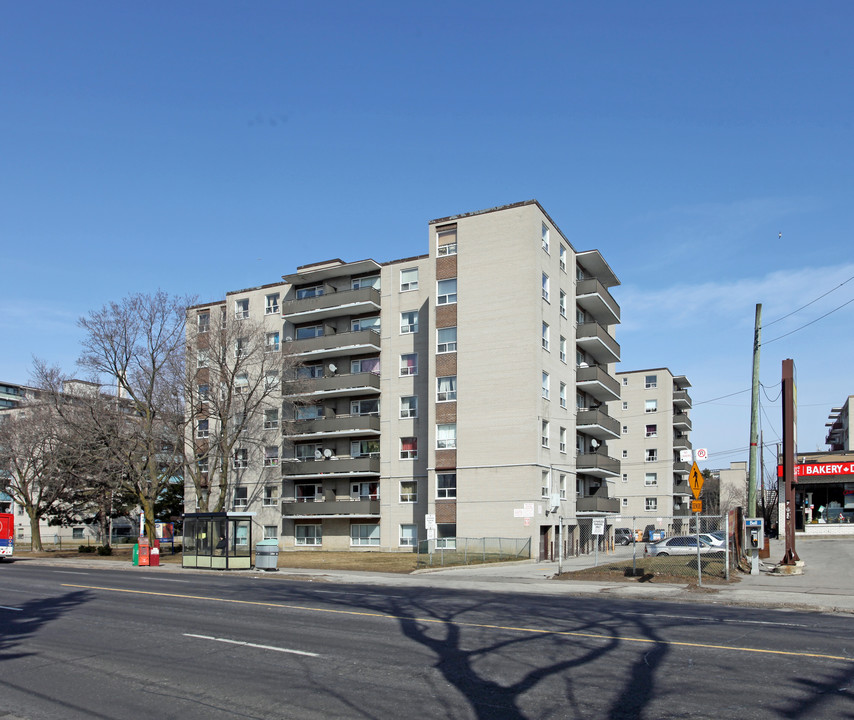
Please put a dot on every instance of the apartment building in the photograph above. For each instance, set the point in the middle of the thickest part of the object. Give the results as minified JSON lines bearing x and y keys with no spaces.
{"x":654,"y":429}
{"x":430,"y":397}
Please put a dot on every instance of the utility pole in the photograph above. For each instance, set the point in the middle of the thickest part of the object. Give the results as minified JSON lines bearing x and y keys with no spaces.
{"x":754,"y":415}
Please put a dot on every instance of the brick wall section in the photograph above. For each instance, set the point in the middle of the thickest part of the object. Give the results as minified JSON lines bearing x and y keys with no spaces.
{"x":446,"y":412}
{"x":446,"y":459}
{"x":446,"y":364}
{"x":446,"y":316}
{"x":446,"y":267}
{"x":446,"y":511}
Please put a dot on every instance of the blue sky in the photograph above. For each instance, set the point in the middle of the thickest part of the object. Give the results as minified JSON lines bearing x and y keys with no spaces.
{"x":201,"y":147}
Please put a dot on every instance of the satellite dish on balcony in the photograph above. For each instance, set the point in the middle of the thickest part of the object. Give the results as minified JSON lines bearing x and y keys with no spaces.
{"x":327,"y":453}
{"x":333,"y":368}
{"x":289,"y":339}
{"x":317,"y":455}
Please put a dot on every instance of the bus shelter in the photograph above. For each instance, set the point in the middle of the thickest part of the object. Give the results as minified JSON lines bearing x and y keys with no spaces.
{"x":219,"y":540}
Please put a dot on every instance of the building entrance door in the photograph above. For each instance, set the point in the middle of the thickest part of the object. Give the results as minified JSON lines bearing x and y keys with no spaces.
{"x":545,"y":542}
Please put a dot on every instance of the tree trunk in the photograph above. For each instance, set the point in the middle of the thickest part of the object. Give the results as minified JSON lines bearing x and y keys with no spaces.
{"x":35,"y":531}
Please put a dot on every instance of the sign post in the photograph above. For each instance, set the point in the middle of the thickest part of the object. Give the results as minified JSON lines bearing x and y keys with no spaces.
{"x":598,"y":531}
{"x":695,"y":480}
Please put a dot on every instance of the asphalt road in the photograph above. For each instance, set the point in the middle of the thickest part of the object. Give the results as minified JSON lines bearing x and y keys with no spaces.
{"x":88,"y":643}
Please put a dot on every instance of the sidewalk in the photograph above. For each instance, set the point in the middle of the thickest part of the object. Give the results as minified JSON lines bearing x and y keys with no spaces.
{"x":827,"y":584}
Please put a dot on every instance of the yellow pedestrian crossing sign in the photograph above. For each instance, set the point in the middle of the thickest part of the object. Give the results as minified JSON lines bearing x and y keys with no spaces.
{"x":696,"y":481}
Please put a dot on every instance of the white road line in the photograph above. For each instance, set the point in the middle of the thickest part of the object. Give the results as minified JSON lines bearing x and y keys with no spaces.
{"x":69,"y":572}
{"x":5,"y":607}
{"x":253,"y":645}
{"x":734,"y":621}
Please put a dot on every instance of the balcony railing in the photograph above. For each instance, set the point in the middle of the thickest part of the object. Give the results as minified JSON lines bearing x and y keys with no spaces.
{"x":681,"y":421}
{"x":681,"y":442}
{"x":340,"y":466}
{"x":358,"y":342}
{"x":683,"y":468}
{"x":594,"y":297}
{"x":332,"y":508}
{"x":333,"y":386}
{"x":596,"y":382}
{"x":339,"y":426}
{"x":597,"y":504}
{"x":682,"y":400}
{"x":597,"y":424}
{"x":596,"y":340}
{"x":332,"y":304}
{"x":597,"y":464}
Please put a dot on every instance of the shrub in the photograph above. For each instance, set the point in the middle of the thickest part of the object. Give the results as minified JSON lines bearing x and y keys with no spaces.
{"x":105,"y":550}
{"x":86,"y":549}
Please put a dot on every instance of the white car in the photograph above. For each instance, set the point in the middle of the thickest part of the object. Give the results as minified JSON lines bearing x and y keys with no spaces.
{"x":712,"y":539}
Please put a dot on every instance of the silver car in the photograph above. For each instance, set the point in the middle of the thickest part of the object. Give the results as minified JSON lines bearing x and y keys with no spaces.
{"x":680,"y":545}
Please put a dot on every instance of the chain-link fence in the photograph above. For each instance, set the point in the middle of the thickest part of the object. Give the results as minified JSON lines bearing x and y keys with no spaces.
{"x":681,"y":546}
{"x":466,"y":551}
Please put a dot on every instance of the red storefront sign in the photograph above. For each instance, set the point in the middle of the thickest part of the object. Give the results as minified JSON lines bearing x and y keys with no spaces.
{"x":819,"y":469}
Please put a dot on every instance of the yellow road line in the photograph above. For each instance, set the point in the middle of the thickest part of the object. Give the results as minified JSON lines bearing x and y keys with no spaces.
{"x":539,"y":631}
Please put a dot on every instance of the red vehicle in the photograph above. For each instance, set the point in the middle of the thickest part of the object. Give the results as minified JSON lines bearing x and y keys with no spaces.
{"x":7,"y":534}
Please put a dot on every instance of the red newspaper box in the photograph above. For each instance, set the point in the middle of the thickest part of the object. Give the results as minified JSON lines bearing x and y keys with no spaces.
{"x":144,"y":552}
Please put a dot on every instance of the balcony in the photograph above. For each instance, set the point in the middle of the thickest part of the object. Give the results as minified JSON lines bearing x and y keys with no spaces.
{"x":336,"y":426}
{"x":334,"y":386}
{"x":332,"y":304}
{"x":295,"y":468}
{"x":594,"y":339}
{"x":681,"y":421}
{"x":681,"y":400}
{"x":597,"y":383}
{"x":359,"y":342}
{"x":681,"y":442}
{"x":594,"y":297}
{"x":597,"y":424}
{"x":683,"y":468}
{"x":597,"y":464}
{"x":597,"y":502}
{"x":332,"y":509}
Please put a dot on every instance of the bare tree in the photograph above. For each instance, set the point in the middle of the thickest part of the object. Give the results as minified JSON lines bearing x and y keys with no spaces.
{"x":137,"y":344}
{"x":37,"y":464}
{"x":233,"y":388}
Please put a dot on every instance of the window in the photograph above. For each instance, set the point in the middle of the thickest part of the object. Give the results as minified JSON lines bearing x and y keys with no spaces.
{"x":562,"y":304}
{"x":545,"y":385}
{"x":545,"y":287}
{"x":241,"y":309}
{"x":272,"y":342}
{"x":202,"y":359}
{"x":651,"y":431}
{"x":409,"y":406}
{"x":409,"y":364}
{"x":562,"y":487}
{"x":77,"y":533}
{"x":562,"y":349}
{"x":311,"y":372}
{"x":271,"y":532}
{"x":372,"y":281}
{"x":446,"y":388}
{"x":271,"y":495}
{"x":308,"y":534}
{"x":408,"y":279}
{"x":625,"y":477}
{"x":308,"y":412}
{"x":563,"y":439}
{"x":625,"y":454}
{"x":204,"y":392}
{"x":563,"y":257}
{"x":651,"y":504}
{"x":651,"y":455}
{"x":271,"y":379}
{"x":309,"y":292}
{"x":446,"y":292}
{"x":241,"y":382}
{"x":365,"y":534}
{"x":545,"y":336}
{"x":365,"y":365}
{"x":204,"y":322}
{"x":408,"y":448}
{"x":365,"y":407}
{"x":369,"y":323}
{"x":364,"y":448}
{"x":446,"y":536}
{"x":544,"y":434}
{"x":650,"y":406}
{"x":408,"y":491}
{"x":241,"y":497}
{"x":624,"y":502}
{"x":202,"y":429}
{"x":650,"y":381}
{"x":241,"y":459}
{"x":625,"y":405}
{"x":446,"y":485}
{"x":446,"y":340}
{"x":308,"y":451}
{"x":650,"y":479}
{"x":625,"y":429}
{"x":545,"y":238}
{"x":408,"y":536}
{"x":446,"y":242}
{"x":271,"y":456}
{"x":580,"y":317}
{"x":271,"y":304}
{"x":309,"y":331}
{"x":308,"y":492}
{"x":202,"y":464}
{"x":625,"y":381}
{"x":241,"y":347}
{"x":447,"y":249}
{"x":409,"y":322}
{"x":223,"y":317}
{"x":365,"y":491}
{"x":563,"y":394}
{"x":545,"y":485}
{"x":446,"y":436}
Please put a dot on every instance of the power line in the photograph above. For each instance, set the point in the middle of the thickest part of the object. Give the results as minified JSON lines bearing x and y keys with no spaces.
{"x":703,"y":402}
{"x":809,"y":303}
{"x":780,"y":337}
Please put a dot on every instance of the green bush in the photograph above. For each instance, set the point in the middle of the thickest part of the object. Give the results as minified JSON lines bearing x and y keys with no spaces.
{"x":105,"y":550}
{"x":86,"y":549}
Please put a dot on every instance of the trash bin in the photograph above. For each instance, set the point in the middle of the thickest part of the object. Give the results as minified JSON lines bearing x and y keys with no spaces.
{"x":136,"y":554}
{"x":267,"y":555}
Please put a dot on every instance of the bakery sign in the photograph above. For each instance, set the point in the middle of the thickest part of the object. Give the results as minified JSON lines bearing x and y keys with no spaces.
{"x":819,"y":469}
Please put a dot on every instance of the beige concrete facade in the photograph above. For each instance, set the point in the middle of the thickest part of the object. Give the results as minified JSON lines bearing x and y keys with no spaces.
{"x":440,"y":393}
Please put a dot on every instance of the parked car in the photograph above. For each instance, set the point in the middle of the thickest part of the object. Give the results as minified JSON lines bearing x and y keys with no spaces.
{"x":623,"y":536}
{"x":714,"y":539}
{"x":680,"y":545}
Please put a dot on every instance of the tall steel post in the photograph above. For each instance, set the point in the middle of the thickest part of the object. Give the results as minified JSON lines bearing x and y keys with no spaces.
{"x":790,"y":448}
{"x":754,"y":416}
